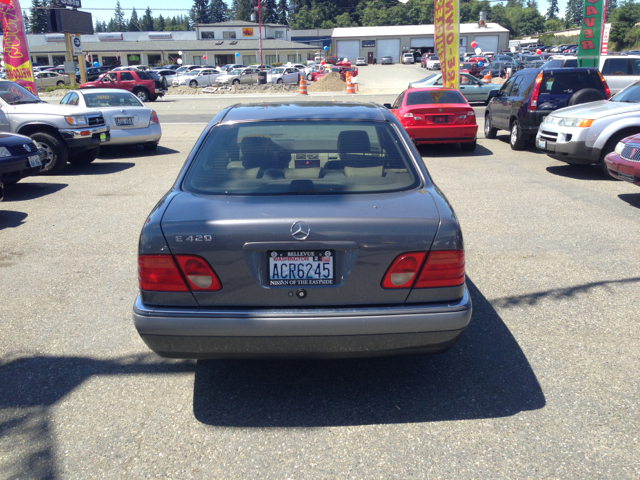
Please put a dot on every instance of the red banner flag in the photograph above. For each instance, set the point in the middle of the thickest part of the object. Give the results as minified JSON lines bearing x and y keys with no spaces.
{"x":17,"y":63}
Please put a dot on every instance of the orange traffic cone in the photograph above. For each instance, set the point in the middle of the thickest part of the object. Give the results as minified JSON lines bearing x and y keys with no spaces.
{"x":350,"y":87}
{"x":303,"y":86}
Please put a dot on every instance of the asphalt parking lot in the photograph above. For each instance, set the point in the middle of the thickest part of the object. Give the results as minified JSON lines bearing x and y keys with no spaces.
{"x":544,"y":383}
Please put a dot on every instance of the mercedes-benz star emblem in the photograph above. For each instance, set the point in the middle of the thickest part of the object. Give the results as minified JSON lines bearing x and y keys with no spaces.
{"x":300,"y":230}
{"x":26,"y":147}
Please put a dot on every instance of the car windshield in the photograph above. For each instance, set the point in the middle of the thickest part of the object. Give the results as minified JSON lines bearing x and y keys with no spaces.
{"x":300,"y":158}
{"x":430,"y":97}
{"x":181,"y":69}
{"x":560,"y":81}
{"x":427,"y":78}
{"x":14,"y":94}
{"x":631,"y":94}
{"x":235,"y":72}
{"x":111,"y":99}
{"x":277,"y":71}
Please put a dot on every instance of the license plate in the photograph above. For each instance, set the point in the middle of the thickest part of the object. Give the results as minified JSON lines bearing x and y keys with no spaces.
{"x":34,"y":160}
{"x":542,"y":143}
{"x":124,"y":121}
{"x":297,"y":268}
{"x":103,"y":137}
{"x":440,"y":119}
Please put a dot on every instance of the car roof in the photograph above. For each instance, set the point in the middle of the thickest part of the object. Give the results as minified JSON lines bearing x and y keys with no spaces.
{"x":102,"y":90}
{"x":304,"y":111}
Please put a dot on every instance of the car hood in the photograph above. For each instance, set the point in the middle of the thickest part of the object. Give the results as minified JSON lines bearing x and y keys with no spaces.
{"x":599,"y":109}
{"x":48,"y":109}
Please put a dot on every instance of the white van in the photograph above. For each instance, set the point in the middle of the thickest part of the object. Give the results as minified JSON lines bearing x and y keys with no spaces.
{"x":620,"y":70}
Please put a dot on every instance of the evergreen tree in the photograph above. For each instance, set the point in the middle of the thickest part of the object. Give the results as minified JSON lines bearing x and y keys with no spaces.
{"x":200,"y":11}
{"x":38,"y":19}
{"x":119,"y":21}
{"x":573,"y":12}
{"x":218,"y":11}
{"x":25,"y":22}
{"x":134,"y":22}
{"x":146,"y":24}
{"x":552,"y":12}
{"x":611,"y":6}
{"x":159,"y":24}
{"x":241,"y":10}
{"x":283,"y":12}
{"x":532,"y":4}
{"x":270,"y":11}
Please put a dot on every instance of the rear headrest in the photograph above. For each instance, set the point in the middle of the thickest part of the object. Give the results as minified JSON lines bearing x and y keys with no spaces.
{"x":256,"y":152}
{"x":353,"y":141}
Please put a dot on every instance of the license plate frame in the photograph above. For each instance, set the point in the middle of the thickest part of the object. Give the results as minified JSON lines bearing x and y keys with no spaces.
{"x":124,"y":122}
{"x":541,"y":143}
{"x":34,"y":161}
{"x":103,"y":137}
{"x":305,"y":263}
{"x":440,"y":119}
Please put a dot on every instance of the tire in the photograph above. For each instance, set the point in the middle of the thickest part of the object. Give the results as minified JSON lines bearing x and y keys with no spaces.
{"x":56,"y":152}
{"x":60,"y":84}
{"x":309,"y":77}
{"x":150,"y":146}
{"x":236,"y":82}
{"x":142,"y":94}
{"x":489,"y":130}
{"x":153,"y":98}
{"x":469,"y":147}
{"x":193,"y":84}
{"x":280,"y":80}
{"x":165,"y":84}
{"x":84,"y":158}
{"x":585,"y":95}
{"x":517,"y":139}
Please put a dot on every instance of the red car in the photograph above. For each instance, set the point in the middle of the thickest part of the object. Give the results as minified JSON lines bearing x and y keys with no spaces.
{"x":436,"y":115}
{"x":332,"y":60}
{"x":343,"y":63}
{"x":137,"y":82}
{"x":471,"y":68}
{"x":624,"y":162}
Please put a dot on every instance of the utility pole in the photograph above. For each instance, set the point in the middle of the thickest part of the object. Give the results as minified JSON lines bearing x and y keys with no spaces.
{"x":257,"y":5}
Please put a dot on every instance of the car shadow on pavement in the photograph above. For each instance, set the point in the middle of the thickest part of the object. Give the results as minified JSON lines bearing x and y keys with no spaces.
{"x":484,"y":375}
{"x":97,"y":168}
{"x":447,"y":150}
{"x":19,"y":192}
{"x":579,"y":172}
{"x":632,"y":199}
{"x":29,"y":386}
{"x":10,"y":218}
{"x":131,"y":151}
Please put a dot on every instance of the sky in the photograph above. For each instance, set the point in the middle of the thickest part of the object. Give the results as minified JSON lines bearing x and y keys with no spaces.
{"x":171,"y":7}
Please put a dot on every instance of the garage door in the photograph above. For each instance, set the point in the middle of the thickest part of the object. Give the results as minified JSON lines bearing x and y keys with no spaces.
{"x":488,"y":43}
{"x":348,"y":49}
{"x":389,"y":48}
{"x":421,"y":42}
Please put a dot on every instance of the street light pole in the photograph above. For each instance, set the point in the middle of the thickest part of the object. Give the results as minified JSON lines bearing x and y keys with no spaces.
{"x":260,"y":31}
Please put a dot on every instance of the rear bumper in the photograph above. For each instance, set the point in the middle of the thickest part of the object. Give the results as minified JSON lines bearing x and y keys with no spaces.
{"x":136,"y":136}
{"x":442,"y":134}
{"x":344,"y":332}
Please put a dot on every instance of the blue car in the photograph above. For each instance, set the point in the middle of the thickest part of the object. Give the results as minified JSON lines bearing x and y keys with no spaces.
{"x":19,"y":158}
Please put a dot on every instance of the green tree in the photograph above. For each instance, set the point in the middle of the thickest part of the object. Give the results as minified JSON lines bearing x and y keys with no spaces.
{"x":25,"y":22}
{"x":159,"y":23}
{"x":38,"y":18}
{"x":552,"y":12}
{"x":200,"y":11}
{"x":119,"y":21}
{"x":146,"y":24}
{"x":573,"y":12}
{"x":530,"y":22}
{"x":553,"y":25}
{"x":134,"y":22}
{"x":282,"y":11}
{"x":269,"y":13}
{"x":241,"y":10}
{"x":611,"y":6}
{"x":218,"y":11}
{"x":623,"y":19}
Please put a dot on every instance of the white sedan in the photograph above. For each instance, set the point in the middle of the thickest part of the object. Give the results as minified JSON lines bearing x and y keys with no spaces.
{"x":130,"y":121}
{"x":283,"y":75}
{"x":200,"y":77}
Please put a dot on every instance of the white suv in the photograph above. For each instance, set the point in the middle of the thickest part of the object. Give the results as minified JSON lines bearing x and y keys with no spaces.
{"x":620,"y":71}
{"x":433,"y":63}
{"x":408,"y":58}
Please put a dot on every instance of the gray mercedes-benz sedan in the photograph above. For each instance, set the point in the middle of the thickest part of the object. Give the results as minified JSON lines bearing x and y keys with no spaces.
{"x":302,"y":230}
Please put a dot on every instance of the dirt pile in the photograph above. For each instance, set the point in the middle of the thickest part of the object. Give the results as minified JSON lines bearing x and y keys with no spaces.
{"x":331,"y":82}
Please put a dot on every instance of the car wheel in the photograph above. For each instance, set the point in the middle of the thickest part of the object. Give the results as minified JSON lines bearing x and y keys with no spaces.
{"x":142,"y":94}
{"x":56,"y":153}
{"x":193,"y":84}
{"x":84,"y":158}
{"x":150,"y":146}
{"x":309,"y":77}
{"x":518,"y":141}
{"x":60,"y":83}
{"x":236,"y":82}
{"x":280,"y":80}
{"x":489,"y":130}
{"x":469,"y":147}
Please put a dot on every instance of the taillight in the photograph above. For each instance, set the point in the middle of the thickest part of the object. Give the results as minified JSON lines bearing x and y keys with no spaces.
{"x":199,"y":274}
{"x":154,"y":118}
{"x":159,"y":273}
{"x":441,"y":269}
{"x":403,"y":270}
{"x":466,"y":117}
{"x":410,"y":119}
{"x":533,"y":103}
{"x":607,"y":91}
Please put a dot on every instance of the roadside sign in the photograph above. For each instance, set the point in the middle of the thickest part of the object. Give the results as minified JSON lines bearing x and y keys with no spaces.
{"x":76,"y":44}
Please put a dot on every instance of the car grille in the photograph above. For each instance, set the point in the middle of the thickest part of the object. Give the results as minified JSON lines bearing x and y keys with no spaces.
{"x":95,"y":120}
{"x":631,"y":152}
{"x":549,"y":135}
{"x":18,"y":150}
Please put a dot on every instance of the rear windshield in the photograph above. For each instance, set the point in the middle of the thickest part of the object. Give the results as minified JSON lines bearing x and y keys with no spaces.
{"x":143,"y":75}
{"x":434,"y":96}
{"x":558,"y":82}
{"x":111,"y":99}
{"x":301,"y":157}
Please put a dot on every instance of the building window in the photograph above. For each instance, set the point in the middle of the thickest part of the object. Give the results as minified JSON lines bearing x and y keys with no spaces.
{"x":279,"y":33}
{"x":228,"y":34}
{"x":155,"y":59}
{"x":110,"y":61}
{"x":173,"y":57}
{"x":269,"y":59}
{"x":133,"y":59}
{"x":248,"y":59}
{"x":291,"y":58}
{"x":197,"y":60}
{"x":58,"y":60}
{"x":207,"y":35}
{"x":42,"y":60}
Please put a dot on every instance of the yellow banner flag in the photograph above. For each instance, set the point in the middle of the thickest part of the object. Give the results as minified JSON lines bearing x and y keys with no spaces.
{"x":446,"y":19}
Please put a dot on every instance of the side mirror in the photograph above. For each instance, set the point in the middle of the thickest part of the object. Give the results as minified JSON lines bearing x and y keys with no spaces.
{"x":387,"y":106}
{"x":493,"y":93}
